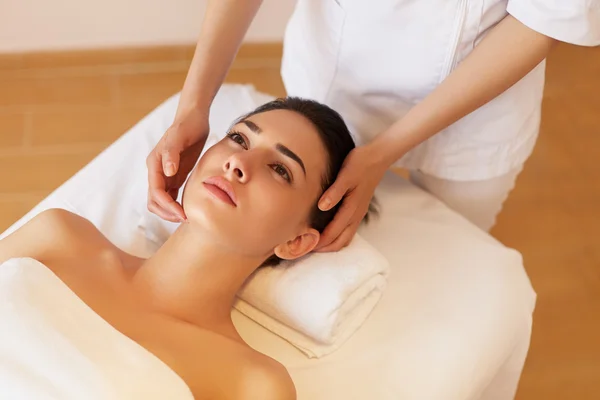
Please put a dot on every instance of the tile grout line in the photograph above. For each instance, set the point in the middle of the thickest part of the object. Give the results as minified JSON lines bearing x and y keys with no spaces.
{"x":49,"y":150}
{"x":43,"y":108}
{"x":129,"y":69}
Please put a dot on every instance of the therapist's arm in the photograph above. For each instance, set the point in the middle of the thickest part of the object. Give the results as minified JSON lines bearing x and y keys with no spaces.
{"x":504,"y":56}
{"x":223,"y":29}
{"x":508,"y":53}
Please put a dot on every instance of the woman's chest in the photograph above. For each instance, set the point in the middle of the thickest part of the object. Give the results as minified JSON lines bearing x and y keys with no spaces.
{"x":99,"y":280}
{"x":85,"y":351}
{"x":201,"y":358}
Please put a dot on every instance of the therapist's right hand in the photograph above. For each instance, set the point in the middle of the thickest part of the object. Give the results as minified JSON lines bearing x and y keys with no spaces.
{"x":171,"y":161}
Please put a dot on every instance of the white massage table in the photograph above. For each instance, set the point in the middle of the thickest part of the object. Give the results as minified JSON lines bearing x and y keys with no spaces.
{"x":453,"y":324}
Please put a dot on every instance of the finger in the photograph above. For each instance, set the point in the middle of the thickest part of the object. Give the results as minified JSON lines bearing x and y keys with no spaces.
{"x":151,"y":158}
{"x":156,"y":178}
{"x":334,"y":194}
{"x":170,"y":161}
{"x":342,"y":240}
{"x":166,"y":203}
{"x":341,"y":220}
{"x":157,"y":192}
{"x":153,"y":208}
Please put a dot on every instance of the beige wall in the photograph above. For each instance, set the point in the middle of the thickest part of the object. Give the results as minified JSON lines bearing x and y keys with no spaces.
{"x":33,"y":25}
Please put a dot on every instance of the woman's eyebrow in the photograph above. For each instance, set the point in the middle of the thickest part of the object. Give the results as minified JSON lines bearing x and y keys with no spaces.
{"x":252,"y":126}
{"x":281,"y":148}
{"x":288,"y":153}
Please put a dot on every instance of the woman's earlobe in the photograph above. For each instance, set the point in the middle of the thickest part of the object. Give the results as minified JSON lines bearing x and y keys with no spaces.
{"x":299,"y":246}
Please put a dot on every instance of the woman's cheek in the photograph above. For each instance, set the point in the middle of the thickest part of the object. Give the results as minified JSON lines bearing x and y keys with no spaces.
{"x":274,"y":202}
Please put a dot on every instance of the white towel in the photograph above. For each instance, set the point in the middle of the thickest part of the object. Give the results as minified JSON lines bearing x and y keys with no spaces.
{"x":53,"y":346}
{"x":318,"y":302}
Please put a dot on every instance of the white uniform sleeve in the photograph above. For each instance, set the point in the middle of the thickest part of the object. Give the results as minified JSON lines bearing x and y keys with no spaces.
{"x":571,"y":21}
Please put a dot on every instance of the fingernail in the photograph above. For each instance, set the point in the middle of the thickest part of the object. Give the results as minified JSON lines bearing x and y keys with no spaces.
{"x":170,"y":169}
{"x":324,"y":204}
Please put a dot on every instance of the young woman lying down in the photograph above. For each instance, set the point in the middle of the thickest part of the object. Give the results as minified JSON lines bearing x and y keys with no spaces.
{"x":250,"y":201}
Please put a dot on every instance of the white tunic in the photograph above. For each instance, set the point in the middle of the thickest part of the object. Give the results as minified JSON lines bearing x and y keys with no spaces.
{"x":374,"y":60}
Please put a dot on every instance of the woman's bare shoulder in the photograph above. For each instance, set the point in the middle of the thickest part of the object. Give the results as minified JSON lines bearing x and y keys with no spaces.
{"x":266,"y":378}
{"x":225,"y":368}
{"x":52,"y":231}
{"x":59,"y":224}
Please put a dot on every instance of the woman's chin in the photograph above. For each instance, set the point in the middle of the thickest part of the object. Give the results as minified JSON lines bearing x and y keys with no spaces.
{"x":206,"y":206}
{"x":208,"y":218}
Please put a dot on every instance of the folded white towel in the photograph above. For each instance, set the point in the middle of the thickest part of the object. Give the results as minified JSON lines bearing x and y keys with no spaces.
{"x":317,"y":302}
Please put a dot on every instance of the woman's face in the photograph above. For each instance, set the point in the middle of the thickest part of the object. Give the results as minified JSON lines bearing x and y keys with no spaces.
{"x":254,"y":190}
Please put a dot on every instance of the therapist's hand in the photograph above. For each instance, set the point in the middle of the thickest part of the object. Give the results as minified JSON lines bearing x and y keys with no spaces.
{"x":171,"y":161}
{"x":361,"y":173}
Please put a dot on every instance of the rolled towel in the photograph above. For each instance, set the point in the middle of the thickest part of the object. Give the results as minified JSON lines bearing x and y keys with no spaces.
{"x":319,"y":301}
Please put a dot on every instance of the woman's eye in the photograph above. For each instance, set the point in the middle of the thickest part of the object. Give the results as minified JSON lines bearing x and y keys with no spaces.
{"x":281,"y":171}
{"x":239,"y":139}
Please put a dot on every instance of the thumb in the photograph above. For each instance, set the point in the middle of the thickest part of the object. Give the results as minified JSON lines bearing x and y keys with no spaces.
{"x":170,"y":162}
{"x":333,"y":195}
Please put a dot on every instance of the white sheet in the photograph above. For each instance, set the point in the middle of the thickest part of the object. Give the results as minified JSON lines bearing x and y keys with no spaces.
{"x":454,"y":322}
{"x":53,"y":346}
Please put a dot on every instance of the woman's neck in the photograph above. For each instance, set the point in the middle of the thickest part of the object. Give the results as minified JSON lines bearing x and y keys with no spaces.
{"x":192,"y":279}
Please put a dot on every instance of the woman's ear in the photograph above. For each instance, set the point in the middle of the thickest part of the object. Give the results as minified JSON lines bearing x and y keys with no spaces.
{"x":299,"y":246}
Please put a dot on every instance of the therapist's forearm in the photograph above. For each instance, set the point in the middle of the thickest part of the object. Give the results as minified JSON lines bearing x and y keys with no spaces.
{"x":508,"y":53}
{"x":223,"y":29}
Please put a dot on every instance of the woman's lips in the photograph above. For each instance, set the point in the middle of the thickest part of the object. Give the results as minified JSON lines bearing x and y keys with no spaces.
{"x":222,"y":189}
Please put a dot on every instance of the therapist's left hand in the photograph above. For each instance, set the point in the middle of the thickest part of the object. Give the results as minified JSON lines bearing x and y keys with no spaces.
{"x":356,"y":182}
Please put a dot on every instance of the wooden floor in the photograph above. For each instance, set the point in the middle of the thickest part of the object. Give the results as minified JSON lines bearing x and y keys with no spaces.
{"x":57,"y":111}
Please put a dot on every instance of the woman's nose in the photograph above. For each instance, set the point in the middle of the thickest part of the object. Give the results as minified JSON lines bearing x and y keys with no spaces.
{"x":237,"y":168}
